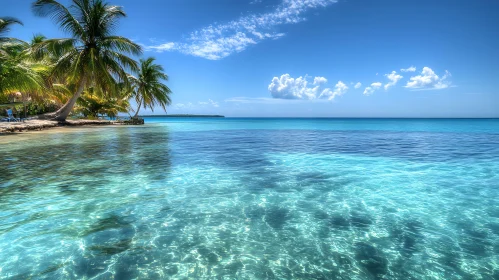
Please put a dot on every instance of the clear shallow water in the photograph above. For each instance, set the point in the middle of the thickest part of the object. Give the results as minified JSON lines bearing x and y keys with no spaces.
{"x":253,"y":199}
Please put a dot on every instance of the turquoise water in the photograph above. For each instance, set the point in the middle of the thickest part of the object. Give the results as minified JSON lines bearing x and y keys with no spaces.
{"x":252,"y":199}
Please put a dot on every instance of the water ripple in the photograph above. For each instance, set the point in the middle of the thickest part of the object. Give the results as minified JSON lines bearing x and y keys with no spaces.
{"x":253,"y":199}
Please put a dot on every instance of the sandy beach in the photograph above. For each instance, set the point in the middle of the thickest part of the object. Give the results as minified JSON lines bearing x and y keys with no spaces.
{"x":29,"y":125}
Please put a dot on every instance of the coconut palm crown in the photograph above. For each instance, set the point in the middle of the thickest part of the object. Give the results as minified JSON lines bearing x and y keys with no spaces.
{"x":149,"y":89}
{"x":93,"y":56}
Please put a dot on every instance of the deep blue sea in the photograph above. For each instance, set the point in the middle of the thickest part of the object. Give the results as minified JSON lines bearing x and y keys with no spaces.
{"x":247,"y":198}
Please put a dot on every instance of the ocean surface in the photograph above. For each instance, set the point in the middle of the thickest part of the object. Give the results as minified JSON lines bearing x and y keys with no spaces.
{"x":242,"y":198}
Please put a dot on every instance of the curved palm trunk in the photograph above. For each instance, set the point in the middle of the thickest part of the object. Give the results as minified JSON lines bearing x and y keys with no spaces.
{"x":62,"y":114}
{"x":138,"y":109}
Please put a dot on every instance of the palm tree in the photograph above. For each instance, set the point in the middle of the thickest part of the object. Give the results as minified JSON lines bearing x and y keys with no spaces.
{"x":17,"y":73}
{"x":93,"y":56}
{"x":149,"y":89}
{"x":37,"y":53}
{"x":39,"y":61}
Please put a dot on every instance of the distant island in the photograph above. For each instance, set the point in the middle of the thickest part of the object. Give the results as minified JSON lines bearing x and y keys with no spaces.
{"x":184,"y":116}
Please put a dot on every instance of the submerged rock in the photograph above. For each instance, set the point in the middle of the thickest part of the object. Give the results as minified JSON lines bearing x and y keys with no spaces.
{"x":276,"y":217}
{"x":371,"y":259}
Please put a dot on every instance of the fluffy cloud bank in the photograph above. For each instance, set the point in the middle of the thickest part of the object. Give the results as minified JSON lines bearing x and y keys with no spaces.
{"x":426,"y":80}
{"x":429,"y":80}
{"x":221,"y":40}
{"x":286,"y":87}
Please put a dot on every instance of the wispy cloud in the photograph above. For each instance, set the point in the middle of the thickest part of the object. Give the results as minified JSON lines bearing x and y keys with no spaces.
{"x":221,"y":40}
{"x":428,"y":79}
{"x":161,"y":47}
{"x":183,"y":105}
{"x":358,"y":85}
{"x":410,"y":69}
{"x":199,"y":104}
{"x":286,"y":87}
{"x":209,"y":102}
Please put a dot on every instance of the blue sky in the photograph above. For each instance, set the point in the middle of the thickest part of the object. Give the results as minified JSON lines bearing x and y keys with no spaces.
{"x":314,"y":58}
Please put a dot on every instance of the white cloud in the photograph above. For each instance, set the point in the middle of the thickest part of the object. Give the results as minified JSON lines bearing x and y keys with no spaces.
{"x":221,"y":40}
{"x":192,"y":105}
{"x":319,"y":80}
{"x":358,"y":85}
{"x":410,"y":69}
{"x":213,"y":103}
{"x":183,"y":105}
{"x":339,"y":89}
{"x":429,"y":80}
{"x":161,"y":48}
{"x":287,"y":87}
{"x":394,"y":78}
{"x":201,"y":103}
{"x":371,"y":89}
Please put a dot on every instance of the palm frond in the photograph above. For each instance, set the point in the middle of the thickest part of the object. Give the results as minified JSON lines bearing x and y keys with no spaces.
{"x":5,"y":23}
{"x":121,"y":44}
{"x":60,"y":14}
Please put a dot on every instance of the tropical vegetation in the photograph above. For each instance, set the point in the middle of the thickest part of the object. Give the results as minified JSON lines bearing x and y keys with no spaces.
{"x":91,"y":72}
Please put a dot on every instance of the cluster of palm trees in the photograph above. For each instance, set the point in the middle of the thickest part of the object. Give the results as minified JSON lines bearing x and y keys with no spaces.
{"x":92,"y":68}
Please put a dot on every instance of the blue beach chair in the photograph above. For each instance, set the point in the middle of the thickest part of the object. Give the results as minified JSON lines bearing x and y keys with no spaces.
{"x":10,"y":116}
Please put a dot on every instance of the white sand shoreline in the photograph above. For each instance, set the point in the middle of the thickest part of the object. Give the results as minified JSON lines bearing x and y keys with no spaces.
{"x":33,"y":125}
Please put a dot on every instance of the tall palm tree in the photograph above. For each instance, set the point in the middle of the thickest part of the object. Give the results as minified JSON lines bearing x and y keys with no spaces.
{"x":93,"y":56}
{"x":149,"y":87}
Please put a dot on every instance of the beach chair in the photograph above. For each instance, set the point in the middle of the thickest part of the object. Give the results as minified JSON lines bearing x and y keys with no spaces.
{"x":10,"y":116}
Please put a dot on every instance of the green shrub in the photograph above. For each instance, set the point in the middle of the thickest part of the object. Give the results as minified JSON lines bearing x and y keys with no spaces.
{"x":4,"y":98}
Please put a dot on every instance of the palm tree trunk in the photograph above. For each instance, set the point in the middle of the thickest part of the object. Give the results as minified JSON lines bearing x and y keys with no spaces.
{"x":63,"y":112}
{"x":24,"y":105}
{"x":137,"y":112}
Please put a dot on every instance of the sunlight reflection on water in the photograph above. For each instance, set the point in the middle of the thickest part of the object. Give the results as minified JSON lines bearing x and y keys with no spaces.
{"x":243,"y":199}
